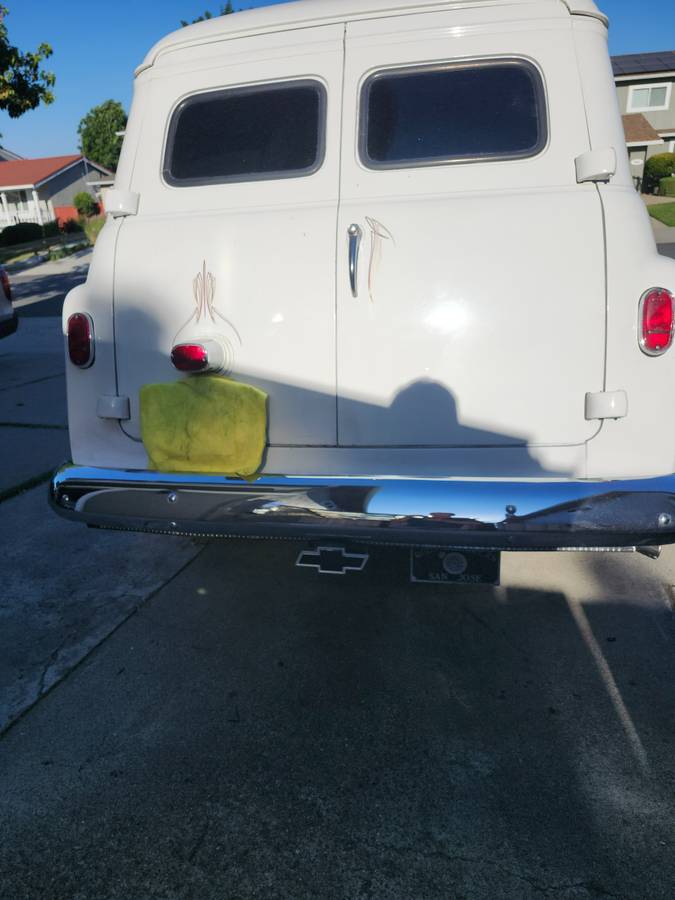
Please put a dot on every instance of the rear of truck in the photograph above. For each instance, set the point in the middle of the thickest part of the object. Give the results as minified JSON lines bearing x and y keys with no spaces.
{"x":469,"y":387}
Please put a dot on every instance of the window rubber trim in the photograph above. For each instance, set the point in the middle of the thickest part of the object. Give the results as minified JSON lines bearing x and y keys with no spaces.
{"x":400,"y":71}
{"x":320,"y":89}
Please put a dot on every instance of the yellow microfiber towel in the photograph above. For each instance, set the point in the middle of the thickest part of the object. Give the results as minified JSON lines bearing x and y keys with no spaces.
{"x":206,"y":423}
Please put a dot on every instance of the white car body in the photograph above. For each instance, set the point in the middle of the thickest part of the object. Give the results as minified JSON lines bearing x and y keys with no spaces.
{"x":480,"y":364}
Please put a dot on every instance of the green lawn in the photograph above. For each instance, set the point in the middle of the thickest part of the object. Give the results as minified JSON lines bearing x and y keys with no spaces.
{"x":664,"y":212}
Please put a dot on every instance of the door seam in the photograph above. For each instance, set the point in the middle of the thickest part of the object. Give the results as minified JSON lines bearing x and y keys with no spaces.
{"x":337,"y":235}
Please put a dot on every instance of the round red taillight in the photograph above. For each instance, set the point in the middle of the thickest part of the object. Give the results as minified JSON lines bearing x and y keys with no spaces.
{"x":81,"y":340}
{"x":656,"y":321}
{"x":190,"y":357}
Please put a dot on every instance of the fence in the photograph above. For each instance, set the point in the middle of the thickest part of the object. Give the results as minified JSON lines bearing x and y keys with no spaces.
{"x":13,"y":213}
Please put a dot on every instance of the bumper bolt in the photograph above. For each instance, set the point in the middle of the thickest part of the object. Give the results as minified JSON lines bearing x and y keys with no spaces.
{"x":172,"y":498}
{"x":665,"y":520}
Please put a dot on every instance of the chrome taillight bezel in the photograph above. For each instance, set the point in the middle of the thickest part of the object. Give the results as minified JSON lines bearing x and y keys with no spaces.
{"x":91,"y":339}
{"x":641,"y":335}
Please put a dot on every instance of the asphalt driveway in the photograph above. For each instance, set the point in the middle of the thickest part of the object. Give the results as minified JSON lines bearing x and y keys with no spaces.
{"x":255,"y":731}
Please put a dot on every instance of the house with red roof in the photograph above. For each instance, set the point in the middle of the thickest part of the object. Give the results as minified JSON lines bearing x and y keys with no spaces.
{"x":41,"y":190}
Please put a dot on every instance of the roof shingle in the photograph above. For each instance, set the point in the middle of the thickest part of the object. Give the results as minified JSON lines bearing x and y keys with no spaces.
{"x":637,"y":128}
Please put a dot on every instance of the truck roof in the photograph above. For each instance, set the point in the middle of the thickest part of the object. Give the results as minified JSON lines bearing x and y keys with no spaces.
{"x":282,"y":16}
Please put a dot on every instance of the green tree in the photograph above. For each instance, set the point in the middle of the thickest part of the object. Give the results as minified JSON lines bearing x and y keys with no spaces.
{"x":23,"y":84}
{"x":97,"y":130}
{"x":225,"y":10}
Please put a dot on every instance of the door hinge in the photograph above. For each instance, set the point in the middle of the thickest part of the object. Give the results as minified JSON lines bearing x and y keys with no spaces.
{"x":607,"y":405}
{"x":120,"y":203}
{"x":596,"y":165}
{"x":113,"y":408}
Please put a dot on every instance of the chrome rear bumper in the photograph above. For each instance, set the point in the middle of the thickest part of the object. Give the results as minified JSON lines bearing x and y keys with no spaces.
{"x":498,"y":515}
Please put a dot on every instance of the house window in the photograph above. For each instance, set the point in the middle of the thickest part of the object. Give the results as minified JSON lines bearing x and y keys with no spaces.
{"x":247,"y":134}
{"x":449,"y":113}
{"x":646,"y":97}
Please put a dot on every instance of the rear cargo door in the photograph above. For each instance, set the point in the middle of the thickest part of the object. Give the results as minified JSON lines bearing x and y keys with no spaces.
{"x":237,"y":173}
{"x":477,"y":312}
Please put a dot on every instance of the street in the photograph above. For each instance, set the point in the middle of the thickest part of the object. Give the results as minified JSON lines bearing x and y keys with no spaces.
{"x":184,"y":721}
{"x":40,"y":291}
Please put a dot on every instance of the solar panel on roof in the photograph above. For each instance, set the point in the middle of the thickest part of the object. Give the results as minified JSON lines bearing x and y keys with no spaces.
{"x":639,"y":63}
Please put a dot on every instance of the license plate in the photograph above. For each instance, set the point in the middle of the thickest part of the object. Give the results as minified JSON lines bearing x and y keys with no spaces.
{"x":433,"y":566}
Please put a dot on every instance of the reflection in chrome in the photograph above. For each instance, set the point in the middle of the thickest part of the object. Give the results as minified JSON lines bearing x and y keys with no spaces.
{"x":407,"y":511}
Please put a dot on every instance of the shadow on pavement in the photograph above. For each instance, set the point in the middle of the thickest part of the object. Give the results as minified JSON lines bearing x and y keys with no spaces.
{"x":256,"y":731}
{"x":38,"y":294}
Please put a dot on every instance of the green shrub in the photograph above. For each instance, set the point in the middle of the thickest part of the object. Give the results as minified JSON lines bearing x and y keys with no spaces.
{"x":85,"y":204}
{"x":657,"y":167}
{"x":51,"y":229}
{"x":20,"y":234}
{"x":92,"y":227}
{"x":667,"y":187}
{"x":71,"y":226}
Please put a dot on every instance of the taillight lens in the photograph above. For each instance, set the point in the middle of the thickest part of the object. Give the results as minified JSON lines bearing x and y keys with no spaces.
{"x":190,"y":357}
{"x":6,"y":286}
{"x":81,"y":340}
{"x":657,"y":308}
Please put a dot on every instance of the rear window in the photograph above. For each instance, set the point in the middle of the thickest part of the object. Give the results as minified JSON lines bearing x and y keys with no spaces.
{"x":247,"y":134}
{"x":468,"y":111}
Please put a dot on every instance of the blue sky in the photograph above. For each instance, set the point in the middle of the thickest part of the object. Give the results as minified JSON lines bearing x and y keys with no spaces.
{"x":97,"y":46}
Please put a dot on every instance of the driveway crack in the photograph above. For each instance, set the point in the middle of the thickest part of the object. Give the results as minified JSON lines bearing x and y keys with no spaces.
{"x":48,"y":665}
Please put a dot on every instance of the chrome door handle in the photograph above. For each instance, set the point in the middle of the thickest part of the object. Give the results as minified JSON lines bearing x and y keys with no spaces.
{"x":355,"y":234}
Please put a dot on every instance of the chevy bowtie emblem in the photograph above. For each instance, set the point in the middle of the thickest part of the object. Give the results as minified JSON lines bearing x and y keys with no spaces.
{"x":332,"y":560}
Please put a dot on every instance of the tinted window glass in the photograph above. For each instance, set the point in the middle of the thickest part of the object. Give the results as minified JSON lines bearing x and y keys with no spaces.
{"x":433,"y":115}
{"x":247,"y":134}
